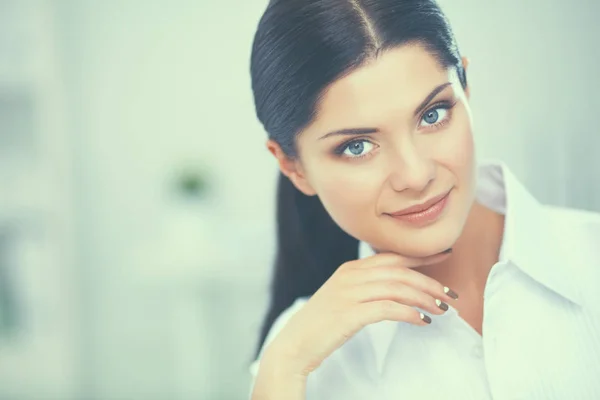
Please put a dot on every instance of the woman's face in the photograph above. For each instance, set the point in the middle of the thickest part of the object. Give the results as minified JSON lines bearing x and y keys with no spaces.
{"x":408,"y":140}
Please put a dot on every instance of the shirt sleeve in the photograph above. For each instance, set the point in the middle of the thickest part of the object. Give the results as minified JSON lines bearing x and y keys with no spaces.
{"x":278,"y":325}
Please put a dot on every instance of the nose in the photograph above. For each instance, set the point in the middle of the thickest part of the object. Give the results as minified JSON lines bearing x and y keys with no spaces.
{"x":410,"y":169}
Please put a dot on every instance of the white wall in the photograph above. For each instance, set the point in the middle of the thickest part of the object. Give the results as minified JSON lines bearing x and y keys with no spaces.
{"x":154,"y":85}
{"x":533,"y":76}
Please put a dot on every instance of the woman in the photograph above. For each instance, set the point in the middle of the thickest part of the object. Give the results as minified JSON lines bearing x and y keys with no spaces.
{"x":405,"y":270}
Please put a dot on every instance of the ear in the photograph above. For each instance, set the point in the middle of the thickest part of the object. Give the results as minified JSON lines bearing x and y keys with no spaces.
{"x":465,"y":63}
{"x":291,"y":168}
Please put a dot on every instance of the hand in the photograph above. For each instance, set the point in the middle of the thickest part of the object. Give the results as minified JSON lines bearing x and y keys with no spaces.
{"x":359,"y":293}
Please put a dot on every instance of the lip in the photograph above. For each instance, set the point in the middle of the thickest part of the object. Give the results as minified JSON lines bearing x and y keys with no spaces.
{"x":428,"y":212}
{"x":419,"y":208}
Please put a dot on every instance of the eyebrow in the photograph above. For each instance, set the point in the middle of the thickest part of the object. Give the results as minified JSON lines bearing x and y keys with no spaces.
{"x":351,"y":132}
{"x":366,"y":131}
{"x":430,"y":97}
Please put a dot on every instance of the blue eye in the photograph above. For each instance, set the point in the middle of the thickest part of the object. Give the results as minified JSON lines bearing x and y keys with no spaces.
{"x":434,"y":116}
{"x":358,"y":148}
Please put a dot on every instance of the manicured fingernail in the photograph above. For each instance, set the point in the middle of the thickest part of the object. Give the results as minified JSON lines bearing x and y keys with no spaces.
{"x":425,"y":318}
{"x":447,"y":251}
{"x":450,"y":292}
{"x":441,"y":305}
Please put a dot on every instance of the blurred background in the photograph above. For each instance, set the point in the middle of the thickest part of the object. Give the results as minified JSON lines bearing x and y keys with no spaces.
{"x":137,"y":198}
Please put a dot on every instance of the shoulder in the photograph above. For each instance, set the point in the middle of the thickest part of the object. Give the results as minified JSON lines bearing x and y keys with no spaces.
{"x":278,"y":325}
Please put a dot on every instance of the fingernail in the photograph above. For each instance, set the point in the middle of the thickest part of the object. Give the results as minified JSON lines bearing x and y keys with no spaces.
{"x":450,"y":292}
{"x":425,"y":318}
{"x":447,"y":251}
{"x":441,"y":305}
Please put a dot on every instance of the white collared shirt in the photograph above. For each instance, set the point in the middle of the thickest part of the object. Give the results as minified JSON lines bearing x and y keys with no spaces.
{"x":541,"y":326}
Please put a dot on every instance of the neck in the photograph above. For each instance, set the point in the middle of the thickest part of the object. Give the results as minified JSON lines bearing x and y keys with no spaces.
{"x":476,"y":251}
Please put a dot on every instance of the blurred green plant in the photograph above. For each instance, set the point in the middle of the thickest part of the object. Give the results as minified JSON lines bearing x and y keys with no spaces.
{"x":193,"y":183}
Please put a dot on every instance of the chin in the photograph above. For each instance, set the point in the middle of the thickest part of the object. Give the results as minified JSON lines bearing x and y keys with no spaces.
{"x":420,"y":250}
{"x":432,"y":249}
{"x":419,"y":243}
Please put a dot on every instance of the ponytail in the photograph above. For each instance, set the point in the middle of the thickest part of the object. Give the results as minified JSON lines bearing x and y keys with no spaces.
{"x":310,"y":247}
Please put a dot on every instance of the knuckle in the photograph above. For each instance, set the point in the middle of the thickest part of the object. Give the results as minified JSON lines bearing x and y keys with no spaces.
{"x":348,"y":265}
{"x":343,"y":267}
{"x":341,"y":275}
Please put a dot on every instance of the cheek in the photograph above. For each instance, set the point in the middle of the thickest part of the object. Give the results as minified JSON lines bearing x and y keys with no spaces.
{"x":348,"y":192}
{"x":456,"y":150}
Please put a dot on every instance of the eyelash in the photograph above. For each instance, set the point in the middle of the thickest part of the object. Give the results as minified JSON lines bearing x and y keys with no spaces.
{"x":445,"y":105}
{"x":339,"y":151}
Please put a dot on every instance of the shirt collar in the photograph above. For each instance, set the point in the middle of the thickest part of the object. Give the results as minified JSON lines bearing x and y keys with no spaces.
{"x":530,"y":242}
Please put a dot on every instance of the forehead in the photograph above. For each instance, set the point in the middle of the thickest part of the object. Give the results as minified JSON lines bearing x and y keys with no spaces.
{"x":395,"y":82}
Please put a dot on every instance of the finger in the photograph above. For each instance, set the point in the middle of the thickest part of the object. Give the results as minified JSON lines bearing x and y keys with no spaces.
{"x":407,"y":276}
{"x":426,"y":284}
{"x":400,"y":293}
{"x":364,"y":314}
{"x":382,"y":259}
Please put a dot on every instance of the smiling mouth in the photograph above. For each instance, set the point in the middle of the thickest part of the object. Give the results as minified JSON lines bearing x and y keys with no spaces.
{"x":424,"y":213}
{"x":419,"y":208}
